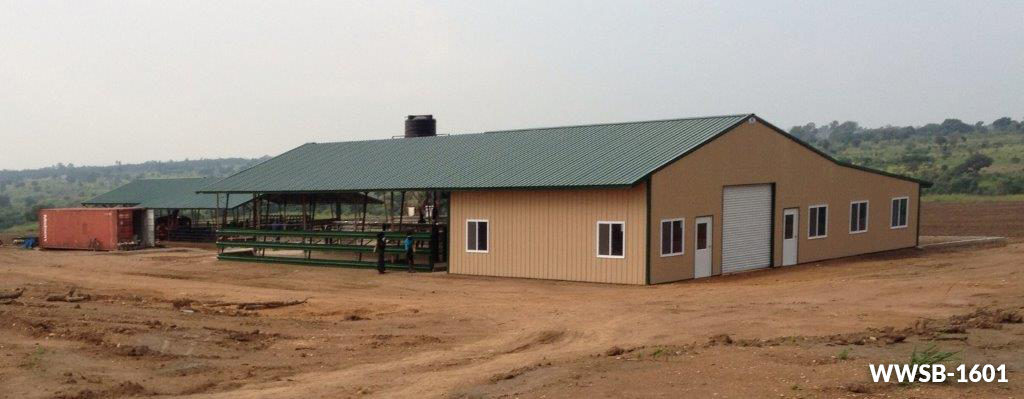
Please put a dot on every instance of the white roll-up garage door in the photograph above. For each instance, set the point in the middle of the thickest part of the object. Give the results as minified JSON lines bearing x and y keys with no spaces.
{"x":747,"y":228}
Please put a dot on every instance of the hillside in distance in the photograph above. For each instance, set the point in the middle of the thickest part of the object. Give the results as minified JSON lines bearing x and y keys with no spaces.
{"x":958,"y":157}
{"x":22,"y":192}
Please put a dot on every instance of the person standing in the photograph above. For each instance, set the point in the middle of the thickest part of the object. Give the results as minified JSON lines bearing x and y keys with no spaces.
{"x":379,"y":249}
{"x":409,"y":245}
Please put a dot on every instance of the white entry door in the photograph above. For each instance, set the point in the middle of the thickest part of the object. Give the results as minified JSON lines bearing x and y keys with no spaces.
{"x":790,"y":227}
{"x":702,"y":248}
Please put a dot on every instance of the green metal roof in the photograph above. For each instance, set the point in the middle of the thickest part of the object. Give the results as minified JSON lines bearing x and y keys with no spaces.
{"x":165,"y":194}
{"x":614,"y":154}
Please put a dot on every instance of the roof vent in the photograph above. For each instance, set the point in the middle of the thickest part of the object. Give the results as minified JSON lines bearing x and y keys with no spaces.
{"x":420,"y":126}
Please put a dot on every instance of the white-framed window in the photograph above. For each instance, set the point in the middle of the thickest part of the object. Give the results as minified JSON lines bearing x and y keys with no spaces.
{"x":899,"y":212}
{"x":611,"y":239}
{"x":817,"y":221}
{"x":858,"y":217}
{"x":477,"y":235}
{"x":673,"y":232}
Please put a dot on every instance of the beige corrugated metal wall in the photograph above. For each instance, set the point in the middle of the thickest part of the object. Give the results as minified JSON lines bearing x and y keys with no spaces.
{"x":755,"y":154}
{"x":550,"y":234}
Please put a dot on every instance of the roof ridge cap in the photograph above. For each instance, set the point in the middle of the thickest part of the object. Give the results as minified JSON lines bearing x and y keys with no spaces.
{"x":619,"y":123}
{"x":545,"y":128}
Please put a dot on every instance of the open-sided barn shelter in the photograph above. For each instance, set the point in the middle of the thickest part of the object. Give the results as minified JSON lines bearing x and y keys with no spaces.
{"x":630,"y":203}
{"x":180,"y":213}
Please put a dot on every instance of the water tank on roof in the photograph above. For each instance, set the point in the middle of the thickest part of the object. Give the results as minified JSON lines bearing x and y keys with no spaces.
{"x":420,"y":126}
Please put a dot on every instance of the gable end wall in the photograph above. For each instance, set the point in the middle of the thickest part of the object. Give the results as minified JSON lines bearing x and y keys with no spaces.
{"x":756,"y":154}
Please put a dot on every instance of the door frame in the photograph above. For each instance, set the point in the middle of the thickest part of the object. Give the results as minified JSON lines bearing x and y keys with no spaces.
{"x":710,"y":220}
{"x":795,"y":211}
{"x":771,"y":235}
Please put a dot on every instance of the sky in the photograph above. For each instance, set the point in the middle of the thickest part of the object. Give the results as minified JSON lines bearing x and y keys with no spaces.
{"x":93,"y":82}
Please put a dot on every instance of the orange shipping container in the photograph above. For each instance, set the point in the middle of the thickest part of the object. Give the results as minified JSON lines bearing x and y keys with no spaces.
{"x":100,"y":229}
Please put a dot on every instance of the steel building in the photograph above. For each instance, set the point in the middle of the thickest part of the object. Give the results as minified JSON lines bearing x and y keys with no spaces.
{"x":631,"y":203}
{"x":179,"y":212}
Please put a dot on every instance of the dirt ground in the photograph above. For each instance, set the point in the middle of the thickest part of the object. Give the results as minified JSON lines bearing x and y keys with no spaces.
{"x":164,"y":323}
{"x":995,"y":218}
{"x":153,"y":326}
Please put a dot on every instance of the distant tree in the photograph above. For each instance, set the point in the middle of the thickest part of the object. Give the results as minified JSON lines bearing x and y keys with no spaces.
{"x":844,"y":132}
{"x":955,"y":126}
{"x":808,"y":132}
{"x":914,"y":160}
{"x":973,"y":164}
{"x":32,"y":215}
{"x":5,"y":201}
{"x":1004,"y":123}
{"x":942,"y":142}
{"x":964,"y":184}
{"x":1006,"y":185}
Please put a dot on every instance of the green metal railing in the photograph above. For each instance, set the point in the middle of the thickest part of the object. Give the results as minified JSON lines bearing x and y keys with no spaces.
{"x":319,"y":234}
{"x":312,"y":247}
{"x":259,"y":240}
{"x":320,"y":262}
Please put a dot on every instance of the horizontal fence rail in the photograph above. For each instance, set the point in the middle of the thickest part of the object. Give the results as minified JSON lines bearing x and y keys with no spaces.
{"x":429,"y":246}
{"x":333,"y":234}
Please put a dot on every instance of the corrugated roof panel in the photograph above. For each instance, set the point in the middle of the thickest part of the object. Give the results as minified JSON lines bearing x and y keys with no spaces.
{"x":178,"y":193}
{"x":592,"y":155}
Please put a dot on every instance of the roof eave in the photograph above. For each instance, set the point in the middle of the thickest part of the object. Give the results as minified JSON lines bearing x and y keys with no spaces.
{"x":361,"y":190}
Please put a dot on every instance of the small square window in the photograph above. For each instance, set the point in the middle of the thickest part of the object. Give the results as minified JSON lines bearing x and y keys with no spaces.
{"x":611,"y":239}
{"x":477,"y":235}
{"x":899,"y":212}
{"x":858,"y":217}
{"x":702,"y":235}
{"x":817,"y":227}
{"x":789,"y":228}
{"x":672,"y":236}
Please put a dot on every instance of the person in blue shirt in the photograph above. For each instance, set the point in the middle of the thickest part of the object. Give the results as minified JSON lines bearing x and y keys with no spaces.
{"x":409,"y":245}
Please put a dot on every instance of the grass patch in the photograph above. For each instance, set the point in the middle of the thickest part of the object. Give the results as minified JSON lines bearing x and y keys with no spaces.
{"x":34,"y":359}
{"x":930,"y":355}
{"x":23,"y":228}
{"x":844,"y":354}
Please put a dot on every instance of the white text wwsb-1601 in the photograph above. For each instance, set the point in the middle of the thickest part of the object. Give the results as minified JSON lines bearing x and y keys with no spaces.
{"x":906,"y":373}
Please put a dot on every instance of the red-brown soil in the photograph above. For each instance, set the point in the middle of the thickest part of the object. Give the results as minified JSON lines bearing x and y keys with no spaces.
{"x":985,"y":218}
{"x":153,"y":327}
{"x":150,"y":328}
